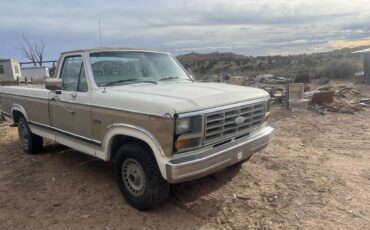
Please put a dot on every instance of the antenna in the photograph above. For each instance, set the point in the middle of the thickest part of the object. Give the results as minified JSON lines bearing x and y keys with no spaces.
{"x":100,"y":34}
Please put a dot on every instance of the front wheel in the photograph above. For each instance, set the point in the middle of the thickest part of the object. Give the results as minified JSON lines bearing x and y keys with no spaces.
{"x":30,"y":143}
{"x":138,"y":176}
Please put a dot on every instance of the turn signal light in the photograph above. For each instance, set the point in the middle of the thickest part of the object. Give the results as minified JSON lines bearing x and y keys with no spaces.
{"x":180,"y":144}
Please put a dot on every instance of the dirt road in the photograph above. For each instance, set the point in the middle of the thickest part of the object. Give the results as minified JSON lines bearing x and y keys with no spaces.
{"x":315,"y":174}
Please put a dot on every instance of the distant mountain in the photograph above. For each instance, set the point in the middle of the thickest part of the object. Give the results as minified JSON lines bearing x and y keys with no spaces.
{"x":209,"y":66}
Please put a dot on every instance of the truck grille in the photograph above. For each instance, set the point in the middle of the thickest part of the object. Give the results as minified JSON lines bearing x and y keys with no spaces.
{"x":222,"y":124}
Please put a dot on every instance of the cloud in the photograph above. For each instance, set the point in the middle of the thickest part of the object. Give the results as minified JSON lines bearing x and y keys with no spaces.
{"x":242,"y":26}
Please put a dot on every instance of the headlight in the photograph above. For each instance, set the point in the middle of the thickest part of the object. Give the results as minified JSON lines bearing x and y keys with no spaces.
{"x":188,"y":133}
{"x":183,"y":125}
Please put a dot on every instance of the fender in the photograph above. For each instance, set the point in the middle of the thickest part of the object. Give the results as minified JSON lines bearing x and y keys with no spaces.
{"x":136,"y":132}
{"x":19,"y":108}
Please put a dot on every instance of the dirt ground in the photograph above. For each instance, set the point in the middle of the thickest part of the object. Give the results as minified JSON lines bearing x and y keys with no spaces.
{"x":314,"y":175}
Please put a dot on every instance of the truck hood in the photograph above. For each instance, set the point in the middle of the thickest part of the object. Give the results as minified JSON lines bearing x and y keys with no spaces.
{"x":180,"y":97}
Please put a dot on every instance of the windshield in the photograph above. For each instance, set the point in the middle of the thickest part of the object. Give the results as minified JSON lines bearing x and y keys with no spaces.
{"x":122,"y":67}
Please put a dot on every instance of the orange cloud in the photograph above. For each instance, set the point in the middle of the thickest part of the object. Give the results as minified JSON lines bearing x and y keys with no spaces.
{"x":349,"y":43}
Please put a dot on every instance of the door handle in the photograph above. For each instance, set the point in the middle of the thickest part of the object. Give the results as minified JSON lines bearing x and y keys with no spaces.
{"x":74,"y":94}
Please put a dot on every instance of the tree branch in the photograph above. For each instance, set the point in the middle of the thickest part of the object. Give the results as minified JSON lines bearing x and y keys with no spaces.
{"x":32,"y":49}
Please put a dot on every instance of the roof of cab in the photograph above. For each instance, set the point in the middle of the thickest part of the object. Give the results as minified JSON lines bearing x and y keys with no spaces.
{"x":99,"y":49}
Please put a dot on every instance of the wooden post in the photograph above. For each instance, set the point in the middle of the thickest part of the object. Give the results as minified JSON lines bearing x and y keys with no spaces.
{"x":367,"y":68}
{"x":26,"y":80}
{"x":18,"y":81}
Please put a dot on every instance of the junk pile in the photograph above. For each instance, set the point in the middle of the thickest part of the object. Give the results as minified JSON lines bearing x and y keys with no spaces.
{"x":277,"y":86}
{"x":342,"y":99}
{"x":297,"y":97}
{"x":274,"y":85}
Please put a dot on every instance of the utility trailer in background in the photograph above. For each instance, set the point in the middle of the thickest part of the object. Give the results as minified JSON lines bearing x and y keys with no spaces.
{"x":9,"y":70}
{"x":35,"y":72}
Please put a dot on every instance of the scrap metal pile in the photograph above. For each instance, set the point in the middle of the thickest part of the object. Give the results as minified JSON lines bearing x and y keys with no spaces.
{"x":324,"y":99}
{"x":275,"y":86}
{"x":341,"y":99}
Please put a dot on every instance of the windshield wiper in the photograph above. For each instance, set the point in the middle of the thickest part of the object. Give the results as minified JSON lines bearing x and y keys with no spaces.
{"x":129,"y":80}
{"x":171,"y":78}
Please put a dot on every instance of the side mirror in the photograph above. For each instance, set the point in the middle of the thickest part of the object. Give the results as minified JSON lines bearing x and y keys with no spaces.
{"x":53,"y":84}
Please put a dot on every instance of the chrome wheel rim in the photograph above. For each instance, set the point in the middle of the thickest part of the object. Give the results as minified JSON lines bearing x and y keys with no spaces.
{"x":23,"y":135}
{"x":133,"y":177}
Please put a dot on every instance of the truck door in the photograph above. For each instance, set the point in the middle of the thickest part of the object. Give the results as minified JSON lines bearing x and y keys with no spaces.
{"x":70,"y":110}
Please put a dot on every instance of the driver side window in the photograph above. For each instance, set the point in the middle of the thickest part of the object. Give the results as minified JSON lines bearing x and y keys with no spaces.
{"x":73,"y":74}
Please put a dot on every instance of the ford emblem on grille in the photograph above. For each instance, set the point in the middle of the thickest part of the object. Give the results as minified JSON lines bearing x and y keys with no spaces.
{"x":239,"y":120}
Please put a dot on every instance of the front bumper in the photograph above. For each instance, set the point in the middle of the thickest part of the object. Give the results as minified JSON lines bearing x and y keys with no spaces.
{"x":199,"y":165}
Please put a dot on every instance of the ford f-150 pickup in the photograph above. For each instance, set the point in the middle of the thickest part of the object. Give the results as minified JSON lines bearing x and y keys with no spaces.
{"x":141,"y":110}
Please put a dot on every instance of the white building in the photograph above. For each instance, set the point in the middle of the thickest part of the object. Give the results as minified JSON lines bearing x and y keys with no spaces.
{"x":35,"y":72}
{"x":9,"y":69}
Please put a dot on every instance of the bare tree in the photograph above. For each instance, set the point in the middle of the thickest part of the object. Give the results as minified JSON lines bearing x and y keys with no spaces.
{"x":32,"y":48}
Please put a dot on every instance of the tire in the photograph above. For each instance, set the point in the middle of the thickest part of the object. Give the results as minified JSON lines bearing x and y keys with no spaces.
{"x":138,"y":176}
{"x":30,"y":143}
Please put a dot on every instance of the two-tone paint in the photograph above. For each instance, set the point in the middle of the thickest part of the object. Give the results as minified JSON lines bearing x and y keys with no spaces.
{"x":89,"y":121}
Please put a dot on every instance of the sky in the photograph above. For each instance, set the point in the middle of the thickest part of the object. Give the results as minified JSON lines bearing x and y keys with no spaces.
{"x":248,"y":27}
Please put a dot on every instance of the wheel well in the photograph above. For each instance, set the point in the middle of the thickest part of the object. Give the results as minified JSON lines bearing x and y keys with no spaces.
{"x":119,"y":140}
{"x":16,"y":115}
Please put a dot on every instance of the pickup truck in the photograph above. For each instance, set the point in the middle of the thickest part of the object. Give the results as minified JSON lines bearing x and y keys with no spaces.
{"x":141,"y":110}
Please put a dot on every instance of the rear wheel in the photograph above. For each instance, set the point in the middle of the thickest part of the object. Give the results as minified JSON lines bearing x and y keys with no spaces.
{"x":30,"y":143}
{"x":138,"y":176}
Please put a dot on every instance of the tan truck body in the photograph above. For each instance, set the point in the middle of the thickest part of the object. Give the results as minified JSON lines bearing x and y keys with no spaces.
{"x":91,"y":121}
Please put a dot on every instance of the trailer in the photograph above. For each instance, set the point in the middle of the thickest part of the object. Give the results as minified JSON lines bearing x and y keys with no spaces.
{"x":35,"y":72}
{"x":9,"y":70}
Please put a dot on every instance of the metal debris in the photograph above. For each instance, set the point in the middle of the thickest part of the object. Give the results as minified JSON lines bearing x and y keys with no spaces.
{"x":323,"y":97}
{"x":319,"y":109}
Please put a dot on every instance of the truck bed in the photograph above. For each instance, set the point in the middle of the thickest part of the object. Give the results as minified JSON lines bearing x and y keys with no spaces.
{"x":32,"y":98}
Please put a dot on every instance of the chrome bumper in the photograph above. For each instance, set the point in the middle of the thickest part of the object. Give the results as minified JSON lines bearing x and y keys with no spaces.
{"x":199,"y":165}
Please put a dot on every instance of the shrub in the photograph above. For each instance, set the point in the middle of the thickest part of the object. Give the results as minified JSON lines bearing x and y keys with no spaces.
{"x":337,"y":70}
